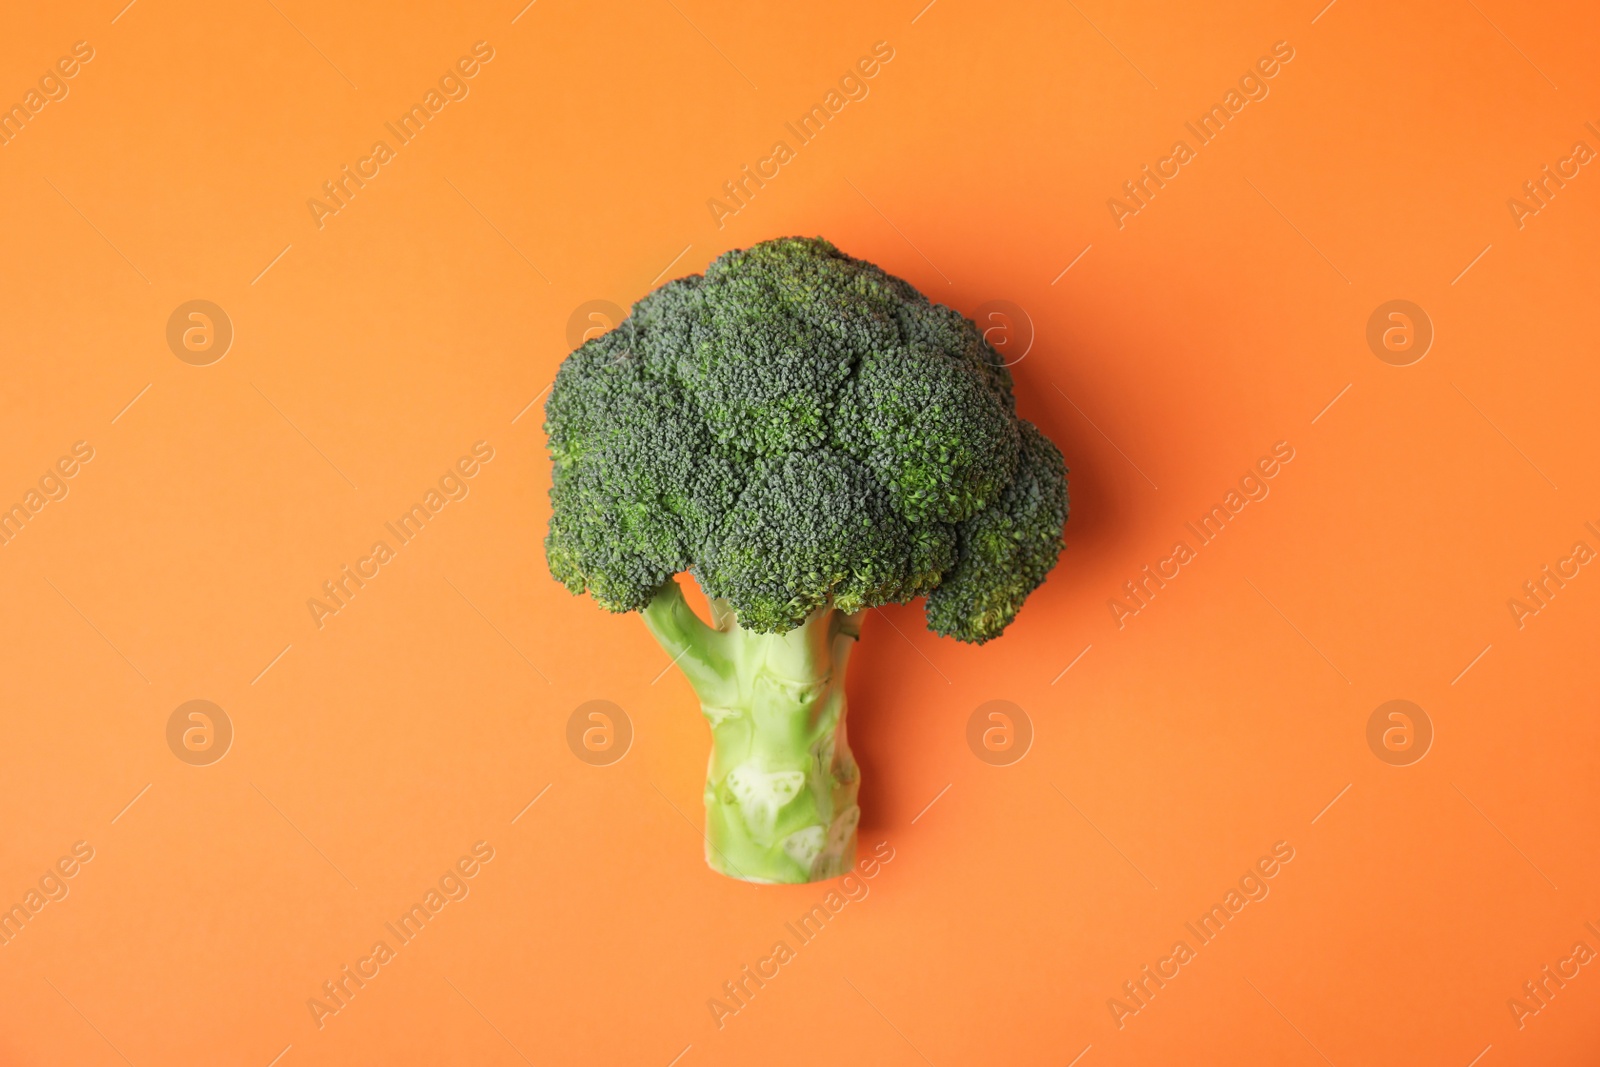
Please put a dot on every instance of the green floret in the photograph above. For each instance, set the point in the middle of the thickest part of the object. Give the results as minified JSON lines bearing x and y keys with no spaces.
{"x":811,"y":528}
{"x":776,"y":333}
{"x":932,"y":326}
{"x":937,"y":434}
{"x":637,"y":484}
{"x":1006,"y":549}
{"x":801,"y":431}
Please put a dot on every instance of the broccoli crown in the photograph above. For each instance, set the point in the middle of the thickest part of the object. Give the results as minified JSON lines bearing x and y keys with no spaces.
{"x":799,"y":429}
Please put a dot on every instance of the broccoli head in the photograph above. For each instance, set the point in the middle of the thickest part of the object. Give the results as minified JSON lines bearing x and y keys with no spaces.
{"x":809,"y":437}
{"x":799,"y":429}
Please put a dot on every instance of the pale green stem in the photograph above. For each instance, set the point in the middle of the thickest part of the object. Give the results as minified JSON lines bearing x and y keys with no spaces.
{"x":781,"y":787}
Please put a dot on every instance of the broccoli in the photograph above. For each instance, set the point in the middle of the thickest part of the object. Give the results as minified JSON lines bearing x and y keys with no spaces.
{"x":809,"y":437}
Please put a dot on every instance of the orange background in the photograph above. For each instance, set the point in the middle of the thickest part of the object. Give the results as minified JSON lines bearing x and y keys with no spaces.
{"x":429,"y":312}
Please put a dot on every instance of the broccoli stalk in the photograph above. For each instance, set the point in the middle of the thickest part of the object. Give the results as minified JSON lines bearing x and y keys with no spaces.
{"x":773,"y":701}
{"x":809,"y":437}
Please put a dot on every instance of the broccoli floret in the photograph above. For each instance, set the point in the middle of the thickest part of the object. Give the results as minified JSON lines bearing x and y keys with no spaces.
{"x":811,"y":527}
{"x":935,"y":432}
{"x":799,"y":429}
{"x":635,"y":481}
{"x":1006,"y":549}
{"x":809,"y":437}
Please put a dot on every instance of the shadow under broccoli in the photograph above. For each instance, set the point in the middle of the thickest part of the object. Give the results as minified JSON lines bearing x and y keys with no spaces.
{"x":809,"y":437}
